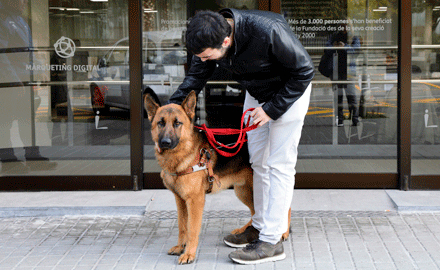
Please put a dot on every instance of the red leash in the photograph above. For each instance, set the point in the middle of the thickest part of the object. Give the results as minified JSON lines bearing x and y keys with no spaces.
{"x":212,"y":132}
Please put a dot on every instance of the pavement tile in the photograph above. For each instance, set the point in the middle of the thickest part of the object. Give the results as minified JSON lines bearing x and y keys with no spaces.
{"x":323,"y":239}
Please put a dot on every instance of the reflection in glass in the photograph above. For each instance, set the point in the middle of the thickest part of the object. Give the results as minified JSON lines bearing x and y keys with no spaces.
{"x":52,"y":94}
{"x":425,"y":88}
{"x":352,"y":120}
{"x":19,"y":101}
{"x":164,"y":58}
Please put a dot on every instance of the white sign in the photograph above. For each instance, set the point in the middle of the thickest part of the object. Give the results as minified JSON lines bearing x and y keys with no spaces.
{"x":65,"y":47}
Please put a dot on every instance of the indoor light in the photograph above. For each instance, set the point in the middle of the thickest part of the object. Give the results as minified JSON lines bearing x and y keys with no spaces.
{"x":58,"y":8}
{"x":381,"y":9}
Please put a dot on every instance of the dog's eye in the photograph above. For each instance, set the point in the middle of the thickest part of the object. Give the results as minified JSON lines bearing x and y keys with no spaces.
{"x":177,"y":124}
{"x":161,"y":123}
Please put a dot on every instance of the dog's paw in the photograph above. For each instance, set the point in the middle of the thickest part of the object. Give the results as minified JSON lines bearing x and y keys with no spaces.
{"x":238,"y":231}
{"x":285,"y":236}
{"x":187,"y":258}
{"x":242,"y":229}
{"x":176,"y":250}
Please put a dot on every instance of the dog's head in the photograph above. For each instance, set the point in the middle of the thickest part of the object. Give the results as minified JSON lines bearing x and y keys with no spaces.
{"x":171,"y":123}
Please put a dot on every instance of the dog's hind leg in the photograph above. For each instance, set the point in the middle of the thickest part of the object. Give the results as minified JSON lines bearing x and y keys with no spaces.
{"x":194,"y":204}
{"x":182,"y":218}
{"x":285,"y":235}
{"x":245,"y":195}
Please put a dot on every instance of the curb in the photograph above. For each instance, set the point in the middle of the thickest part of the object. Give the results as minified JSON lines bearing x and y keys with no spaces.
{"x":12,"y":212}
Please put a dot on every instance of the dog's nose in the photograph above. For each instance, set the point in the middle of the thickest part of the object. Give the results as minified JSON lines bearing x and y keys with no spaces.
{"x":165,"y":143}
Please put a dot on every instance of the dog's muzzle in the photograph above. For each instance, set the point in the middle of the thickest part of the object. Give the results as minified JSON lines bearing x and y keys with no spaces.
{"x":167,"y":143}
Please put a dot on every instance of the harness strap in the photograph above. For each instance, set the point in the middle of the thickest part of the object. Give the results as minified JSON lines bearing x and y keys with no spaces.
{"x":191,"y":169}
{"x":202,"y":163}
{"x":212,"y":132}
{"x":211,"y":179}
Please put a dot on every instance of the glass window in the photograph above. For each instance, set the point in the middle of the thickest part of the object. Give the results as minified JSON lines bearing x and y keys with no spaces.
{"x":164,"y":59}
{"x":425,"y":87}
{"x":351,"y":126}
{"x":64,"y":93}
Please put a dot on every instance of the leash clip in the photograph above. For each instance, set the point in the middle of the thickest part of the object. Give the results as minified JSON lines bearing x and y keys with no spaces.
{"x":205,"y":156}
{"x":212,"y":179}
{"x":205,"y":152}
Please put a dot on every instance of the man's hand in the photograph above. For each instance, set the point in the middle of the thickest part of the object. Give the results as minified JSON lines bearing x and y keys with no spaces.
{"x":259,"y":116}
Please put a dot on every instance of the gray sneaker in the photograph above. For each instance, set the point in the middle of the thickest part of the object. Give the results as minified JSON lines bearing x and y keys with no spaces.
{"x":242,"y":239}
{"x":259,"y":252}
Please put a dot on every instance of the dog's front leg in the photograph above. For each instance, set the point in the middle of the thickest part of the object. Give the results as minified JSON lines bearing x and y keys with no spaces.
{"x":194,"y":206}
{"x":182,"y":219}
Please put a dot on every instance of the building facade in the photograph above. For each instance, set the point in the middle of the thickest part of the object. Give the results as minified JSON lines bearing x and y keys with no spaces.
{"x":73,"y":74}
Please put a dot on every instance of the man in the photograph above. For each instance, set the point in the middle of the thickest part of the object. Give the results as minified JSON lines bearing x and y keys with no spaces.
{"x":266,"y":58}
{"x":15,"y":55}
{"x":346,"y":70}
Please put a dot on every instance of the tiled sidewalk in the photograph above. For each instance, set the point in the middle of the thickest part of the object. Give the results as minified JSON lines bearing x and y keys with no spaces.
{"x":319,"y":240}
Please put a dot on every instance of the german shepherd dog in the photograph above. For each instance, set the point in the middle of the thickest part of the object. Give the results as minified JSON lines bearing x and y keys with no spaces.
{"x":191,"y":168}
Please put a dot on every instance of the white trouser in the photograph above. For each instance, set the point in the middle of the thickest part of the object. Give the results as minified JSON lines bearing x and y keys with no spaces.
{"x":273,"y":155}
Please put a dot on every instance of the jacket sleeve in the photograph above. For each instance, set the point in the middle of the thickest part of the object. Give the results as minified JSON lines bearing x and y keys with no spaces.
{"x":196,"y":79}
{"x":296,"y":67}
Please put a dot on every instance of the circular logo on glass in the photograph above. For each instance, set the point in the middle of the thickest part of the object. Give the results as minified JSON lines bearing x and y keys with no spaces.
{"x":65,"y":47}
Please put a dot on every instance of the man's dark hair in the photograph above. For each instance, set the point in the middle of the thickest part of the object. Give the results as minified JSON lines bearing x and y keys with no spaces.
{"x":207,"y":29}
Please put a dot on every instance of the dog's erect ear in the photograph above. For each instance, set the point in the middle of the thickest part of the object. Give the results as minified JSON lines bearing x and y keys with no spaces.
{"x":189,"y":104}
{"x":150,"y":106}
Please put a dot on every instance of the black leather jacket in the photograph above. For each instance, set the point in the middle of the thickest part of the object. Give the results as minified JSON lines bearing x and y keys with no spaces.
{"x":266,"y":58}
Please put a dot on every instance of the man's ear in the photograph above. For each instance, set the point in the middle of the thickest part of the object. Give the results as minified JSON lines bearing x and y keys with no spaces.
{"x":150,"y":106}
{"x":189,"y":104}
{"x":226,"y":42}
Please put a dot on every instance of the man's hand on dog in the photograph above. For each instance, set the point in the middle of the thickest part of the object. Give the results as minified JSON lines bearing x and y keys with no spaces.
{"x":259,"y":116}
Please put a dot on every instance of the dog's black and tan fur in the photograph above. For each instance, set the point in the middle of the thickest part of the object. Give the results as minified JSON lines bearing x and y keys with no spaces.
{"x":177,"y":146}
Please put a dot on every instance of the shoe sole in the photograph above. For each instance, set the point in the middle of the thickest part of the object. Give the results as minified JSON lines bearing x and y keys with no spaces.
{"x":268,"y":259}
{"x":233,"y":245}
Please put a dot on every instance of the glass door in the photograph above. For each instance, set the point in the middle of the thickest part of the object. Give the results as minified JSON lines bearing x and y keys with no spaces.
{"x":164,"y":60}
{"x":425,"y":95}
{"x":351,"y":126}
{"x":65,"y":90}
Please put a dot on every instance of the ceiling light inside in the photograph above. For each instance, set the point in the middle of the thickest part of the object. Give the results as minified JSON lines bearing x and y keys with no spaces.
{"x":57,"y":8}
{"x":381,"y":9}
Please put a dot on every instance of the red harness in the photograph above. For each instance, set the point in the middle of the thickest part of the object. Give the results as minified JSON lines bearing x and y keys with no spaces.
{"x":211,"y":132}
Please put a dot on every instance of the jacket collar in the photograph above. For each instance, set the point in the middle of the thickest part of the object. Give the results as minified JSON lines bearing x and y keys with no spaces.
{"x":239,"y":34}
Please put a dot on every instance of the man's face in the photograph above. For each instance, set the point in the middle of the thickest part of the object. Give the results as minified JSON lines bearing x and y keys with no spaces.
{"x":215,"y":54}
{"x":212,"y":54}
